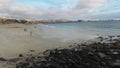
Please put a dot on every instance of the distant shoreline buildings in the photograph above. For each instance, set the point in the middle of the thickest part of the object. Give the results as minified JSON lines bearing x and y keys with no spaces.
{"x":5,"y":20}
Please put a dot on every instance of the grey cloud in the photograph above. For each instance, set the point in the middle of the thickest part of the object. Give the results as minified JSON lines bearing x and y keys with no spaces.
{"x":11,"y":8}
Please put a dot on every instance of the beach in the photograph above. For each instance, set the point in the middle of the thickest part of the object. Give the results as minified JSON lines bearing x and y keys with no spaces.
{"x":59,"y":34}
{"x":23,"y":41}
{"x":16,"y":39}
{"x":102,"y":53}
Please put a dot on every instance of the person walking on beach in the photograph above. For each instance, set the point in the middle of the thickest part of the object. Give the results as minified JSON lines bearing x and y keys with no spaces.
{"x":25,"y":29}
{"x":31,"y":33}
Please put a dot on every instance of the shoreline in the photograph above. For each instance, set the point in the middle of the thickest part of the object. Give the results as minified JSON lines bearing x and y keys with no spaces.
{"x":98,"y":54}
{"x":30,"y":21}
{"x":16,"y":42}
{"x":16,"y":38}
{"x":103,"y":53}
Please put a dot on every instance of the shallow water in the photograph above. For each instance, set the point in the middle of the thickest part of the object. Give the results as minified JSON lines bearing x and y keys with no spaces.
{"x":91,"y":28}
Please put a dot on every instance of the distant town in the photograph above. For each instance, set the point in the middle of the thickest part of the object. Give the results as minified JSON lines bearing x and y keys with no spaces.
{"x":4,"y":20}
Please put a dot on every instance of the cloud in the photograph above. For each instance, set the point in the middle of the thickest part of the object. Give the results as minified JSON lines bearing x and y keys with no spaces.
{"x":11,"y":8}
{"x":91,"y":3}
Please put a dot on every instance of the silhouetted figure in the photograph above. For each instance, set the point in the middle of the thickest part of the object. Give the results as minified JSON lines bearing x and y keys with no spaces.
{"x":31,"y":33}
{"x":25,"y":29}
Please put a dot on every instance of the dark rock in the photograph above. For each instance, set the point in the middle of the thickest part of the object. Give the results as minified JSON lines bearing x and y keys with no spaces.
{"x":14,"y":60}
{"x":94,"y":55}
{"x":32,"y":50}
{"x":3,"y":59}
{"x":20,"y":55}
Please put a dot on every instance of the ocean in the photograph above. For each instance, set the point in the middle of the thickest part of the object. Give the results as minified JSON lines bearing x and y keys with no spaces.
{"x":80,"y":30}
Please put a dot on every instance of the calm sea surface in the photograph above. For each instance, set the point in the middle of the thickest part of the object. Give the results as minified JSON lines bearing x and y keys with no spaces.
{"x":81,"y":30}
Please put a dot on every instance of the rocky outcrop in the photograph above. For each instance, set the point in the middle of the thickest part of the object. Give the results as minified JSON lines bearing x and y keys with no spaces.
{"x":101,"y":54}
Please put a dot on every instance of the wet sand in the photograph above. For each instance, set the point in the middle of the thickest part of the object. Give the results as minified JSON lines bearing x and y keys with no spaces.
{"x":18,"y":39}
{"x":14,"y":39}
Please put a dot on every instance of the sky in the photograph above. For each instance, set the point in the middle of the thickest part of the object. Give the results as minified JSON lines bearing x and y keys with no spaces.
{"x":60,"y":9}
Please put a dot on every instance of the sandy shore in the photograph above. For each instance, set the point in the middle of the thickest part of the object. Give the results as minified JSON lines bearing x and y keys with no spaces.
{"x":19,"y":38}
{"x":103,"y":52}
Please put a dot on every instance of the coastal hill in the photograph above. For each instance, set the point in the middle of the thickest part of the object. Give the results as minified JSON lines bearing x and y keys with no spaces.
{"x":5,"y":20}
{"x":13,"y":20}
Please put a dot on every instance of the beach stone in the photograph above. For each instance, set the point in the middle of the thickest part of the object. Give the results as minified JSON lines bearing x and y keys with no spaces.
{"x":88,"y":55}
{"x":32,"y":50}
{"x":115,"y":53}
{"x":3,"y":59}
{"x":116,"y":63}
{"x":20,"y":55}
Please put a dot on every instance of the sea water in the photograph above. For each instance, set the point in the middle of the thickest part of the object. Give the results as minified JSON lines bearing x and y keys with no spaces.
{"x":80,"y":30}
